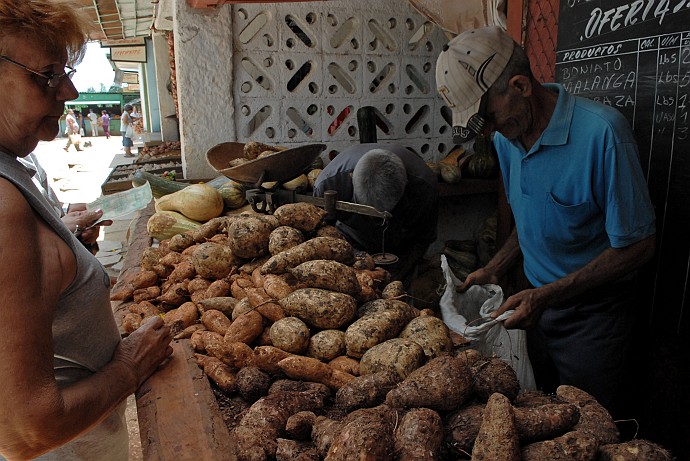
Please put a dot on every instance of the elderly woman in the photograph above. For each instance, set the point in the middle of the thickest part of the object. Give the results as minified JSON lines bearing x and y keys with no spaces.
{"x":64,"y":371}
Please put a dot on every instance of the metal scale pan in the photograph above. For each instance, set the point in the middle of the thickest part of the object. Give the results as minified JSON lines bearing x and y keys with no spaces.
{"x":279,"y":166}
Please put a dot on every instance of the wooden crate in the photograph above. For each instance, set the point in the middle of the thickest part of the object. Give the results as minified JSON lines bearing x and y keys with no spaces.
{"x":119,"y":180}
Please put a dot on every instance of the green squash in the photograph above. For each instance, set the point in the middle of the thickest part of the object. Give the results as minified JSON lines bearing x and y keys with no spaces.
{"x":233,"y":194}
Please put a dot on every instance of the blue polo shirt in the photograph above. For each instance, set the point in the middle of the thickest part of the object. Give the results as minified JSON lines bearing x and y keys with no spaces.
{"x":578,"y":191}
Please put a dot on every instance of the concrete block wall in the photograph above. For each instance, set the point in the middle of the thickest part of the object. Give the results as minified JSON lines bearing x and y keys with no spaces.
{"x":314,"y":64}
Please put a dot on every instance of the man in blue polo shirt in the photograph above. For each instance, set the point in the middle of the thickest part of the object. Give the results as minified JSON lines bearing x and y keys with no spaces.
{"x":584,"y":222}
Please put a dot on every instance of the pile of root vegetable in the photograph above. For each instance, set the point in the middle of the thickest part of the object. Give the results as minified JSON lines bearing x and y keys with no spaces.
{"x":334,"y":364}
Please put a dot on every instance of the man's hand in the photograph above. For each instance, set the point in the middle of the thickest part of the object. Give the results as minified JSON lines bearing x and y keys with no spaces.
{"x":528,"y":305}
{"x":478,"y":277}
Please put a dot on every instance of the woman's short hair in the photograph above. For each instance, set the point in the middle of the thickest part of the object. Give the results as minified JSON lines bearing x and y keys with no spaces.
{"x":128,"y":107}
{"x":60,"y":24}
{"x":379,"y":179}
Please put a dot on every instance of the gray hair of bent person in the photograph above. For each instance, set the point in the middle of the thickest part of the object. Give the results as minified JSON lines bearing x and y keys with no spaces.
{"x":57,"y":24}
{"x":379,"y":179}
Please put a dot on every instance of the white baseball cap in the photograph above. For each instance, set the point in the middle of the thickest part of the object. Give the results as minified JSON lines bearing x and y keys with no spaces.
{"x":465,"y":70}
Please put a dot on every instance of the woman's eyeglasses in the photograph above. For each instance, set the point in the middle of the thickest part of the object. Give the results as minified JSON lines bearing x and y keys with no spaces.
{"x":54,"y":80}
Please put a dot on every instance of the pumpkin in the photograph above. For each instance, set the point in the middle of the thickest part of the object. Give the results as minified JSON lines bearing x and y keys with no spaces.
{"x":482,"y":164}
{"x":298,"y":184}
{"x":162,"y":225}
{"x":233,"y":194}
{"x":199,"y":202}
{"x":450,"y":174}
{"x":312,"y":176}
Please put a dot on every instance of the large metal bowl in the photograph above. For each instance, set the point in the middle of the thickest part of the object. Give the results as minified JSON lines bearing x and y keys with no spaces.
{"x":280,"y":166}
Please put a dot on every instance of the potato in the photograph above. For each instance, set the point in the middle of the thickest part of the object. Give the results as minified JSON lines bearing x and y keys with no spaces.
{"x":497,"y":439}
{"x":399,"y":355}
{"x":290,"y":334}
{"x":326,"y":345}
{"x":419,"y":435}
{"x":328,"y":275}
{"x":320,"y":308}
{"x":304,"y":217}
{"x":366,"y":391}
{"x":443,"y":383}
{"x":431,"y":333}
{"x":283,"y":238}
{"x":213,"y":260}
{"x":309,"y":369}
{"x":248,"y":236}
{"x":574,"y":445}
{"x":316,"y":248}
{"x":383,"y":319}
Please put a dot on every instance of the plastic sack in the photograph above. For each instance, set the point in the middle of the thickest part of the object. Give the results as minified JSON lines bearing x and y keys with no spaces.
{"x":468,"y":314}
{"x":457,"y":16}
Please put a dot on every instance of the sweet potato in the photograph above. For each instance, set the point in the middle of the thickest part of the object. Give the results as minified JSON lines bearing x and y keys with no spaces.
{"x":242,"y":307}
{"x":184,"y":270}
{"x":367,"y":434}
{"x":131,"y":321}
{"x":328,"y":275}
{"x":171,"y":259}
{"x":320,"y":308}
{"x":293,"y":450}
{"x":248,"y":236}
{"x":150,"y":257}
{"x":218,"y":372}
{"x":594,"y":419}
{"x":399,"y":355}
{"x":207,"y":229}
{"x":366,"y":391}
{"x":497,"y":439}
{"x":346,"y":364}
{"x":431,"y":333}
{"x":213,"y":260}
{"x":145,"y":308}
{"x":268,"y":357}
{"x":264,"y":304}
{"x":246,"y":328}
{"x":180,"y":242}
{"x":264,"y":339}
{"x":302,"y":216}
{"x":289,"y":385}
{"x":144,"y":279}
{"x":383,"y":320}
{"x":252,"y":149}
{"x":326,"y":345}
{"x":257,"y":432}
{"x":279,"y":286}
{"x":198,"y":284}
{"x":175,"y":295}
{"x":201,"y":339}
{"x":316,"y":248}
{"x":216,"y":321}
{"x":253,"y":383}
{"x":574,"y":445}
{"x":283,"y":238}
{"x":419,"y":436}
{"x":234,"y":354}
{"x":494,"y":375}
{"x":443,"y":383}
{"x":187,"y":332}
{"x":309,"y":369}
{"x":290,"y":334}
{"x":239,"y":285}
{"x":182,"y":317}
{"x":224,"y":304}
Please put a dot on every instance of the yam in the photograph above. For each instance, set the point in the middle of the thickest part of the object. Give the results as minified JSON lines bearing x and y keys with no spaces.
{"x":329,"y":231}
{"x":399,"y":355}
{"x":293,"y":450}
{"x":216,"y":321}
{"x":303,"y":216}
{"x":443,"y":383}
{"x":431,"y":333}
{"x":182,"y":317}
{"x":309,"y":369}
{"x":257,"y":432}
{"x":246,"y":328}
{"x":497,"y":439}
{"x":290,"y":334}
{"x":328,"y":275}
{"x":394,"y":290}
{"x":594,"y":418}
{"x":213,"y":260}
{"x":419,"y":436}
{"x":326,"y":345}
{"x":320,"y":308}
{"x":383,"y":319}
{"x":316,"y":248}
{"x":367,"y":434}
{"x":366,"y":391}
{"x":494,"y":375}
{"x":253,"y":383}
{"x":283,"y":238}
{"x":462,"y":426}
{"x":248,"y":237}
{"x":218,"y":372}
{"x":572,"y":446}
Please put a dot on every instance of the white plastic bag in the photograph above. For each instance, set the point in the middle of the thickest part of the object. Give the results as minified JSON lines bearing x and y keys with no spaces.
{"x":457,"y":16}
{"x":468,"y":314}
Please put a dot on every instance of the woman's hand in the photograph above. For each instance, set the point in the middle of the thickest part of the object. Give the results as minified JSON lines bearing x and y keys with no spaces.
{"x":79,"y":217}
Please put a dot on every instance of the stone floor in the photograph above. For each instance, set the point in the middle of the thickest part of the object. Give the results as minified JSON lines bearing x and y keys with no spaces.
{"x":77,"y":177}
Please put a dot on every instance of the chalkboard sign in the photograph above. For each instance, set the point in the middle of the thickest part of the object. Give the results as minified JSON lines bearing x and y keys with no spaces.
{"x":635,"y":56}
